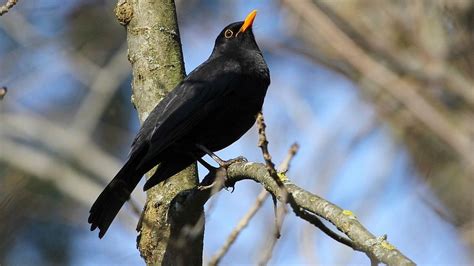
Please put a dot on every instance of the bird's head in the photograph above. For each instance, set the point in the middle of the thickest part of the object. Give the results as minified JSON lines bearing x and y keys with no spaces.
{"x":237,"y":35}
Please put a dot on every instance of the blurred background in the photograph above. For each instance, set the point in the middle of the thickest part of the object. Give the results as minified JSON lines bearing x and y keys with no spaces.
{"x":379,"y":94}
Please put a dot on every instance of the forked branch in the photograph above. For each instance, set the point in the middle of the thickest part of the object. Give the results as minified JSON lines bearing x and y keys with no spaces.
{"x":305,"y":205}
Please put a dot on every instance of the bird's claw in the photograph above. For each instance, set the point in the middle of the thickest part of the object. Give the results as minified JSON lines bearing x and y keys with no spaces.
{"x":205,"y":187}
{"x":226,"y":164}
{"x":230,"y":187}
{"x":241,"y":159}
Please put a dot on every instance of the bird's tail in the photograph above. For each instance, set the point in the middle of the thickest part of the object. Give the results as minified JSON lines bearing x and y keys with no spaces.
{"x":114,"y":196}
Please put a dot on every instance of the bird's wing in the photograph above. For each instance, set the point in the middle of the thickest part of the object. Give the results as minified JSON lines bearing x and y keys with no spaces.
{"x":190,"y":102}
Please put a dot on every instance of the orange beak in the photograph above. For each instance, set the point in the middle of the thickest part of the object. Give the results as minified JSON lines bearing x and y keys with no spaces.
{"x":248,"y":21}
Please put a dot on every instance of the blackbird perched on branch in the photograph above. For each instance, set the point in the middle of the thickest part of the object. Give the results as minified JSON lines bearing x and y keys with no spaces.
{"x":209,"y":110}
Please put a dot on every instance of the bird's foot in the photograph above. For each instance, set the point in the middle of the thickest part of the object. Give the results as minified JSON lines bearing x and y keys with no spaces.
{"x":222,"y":163}
{"x":201,"y":187}
{"x":208,"y":166}
{"x":226,"y":164}
{"x":230,"y":187}
{"x":215,"y":177}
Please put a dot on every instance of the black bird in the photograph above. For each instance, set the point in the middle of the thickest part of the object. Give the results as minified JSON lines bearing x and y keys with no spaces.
{"x":209,"y":110}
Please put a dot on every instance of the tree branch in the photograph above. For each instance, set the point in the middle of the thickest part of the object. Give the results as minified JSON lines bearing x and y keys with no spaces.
{"x":216,"y":258}
{"x":3,"y":92}
{"x":344,"y":220}
{"x":281,"y":211}
{"x":7,"y":6}
{"x":305,"y":205}
{"x":262,"y":196}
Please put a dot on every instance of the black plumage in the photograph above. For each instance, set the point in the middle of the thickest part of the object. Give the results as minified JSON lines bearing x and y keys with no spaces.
{"x":213,"y":107}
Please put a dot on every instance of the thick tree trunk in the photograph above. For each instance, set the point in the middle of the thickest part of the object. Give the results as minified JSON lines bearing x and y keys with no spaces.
{"x":154,"y":50}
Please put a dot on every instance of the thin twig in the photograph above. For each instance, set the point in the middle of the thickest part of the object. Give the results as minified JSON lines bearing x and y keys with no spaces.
{"x":314,"y":220}
{"x":102,"y":87}
{"x":374,"y":247}
{"x":7,"y":6}
{"x":280,"y":216}
{"x":281,"y":211}
{"x":3,"y":92}
{"x":263,"y":144}
{"x":216,"y":258}
{"x":284,"y":167}
{"x":213,"y":183}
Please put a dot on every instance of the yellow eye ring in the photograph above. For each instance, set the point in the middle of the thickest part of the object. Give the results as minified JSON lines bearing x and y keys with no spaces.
{"x":228,"y":34}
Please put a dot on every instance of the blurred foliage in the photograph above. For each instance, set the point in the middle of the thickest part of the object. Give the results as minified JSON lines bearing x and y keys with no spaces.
{"x":41,"y":229}
{"x":26,"y":200}
{"x":428,"y":45}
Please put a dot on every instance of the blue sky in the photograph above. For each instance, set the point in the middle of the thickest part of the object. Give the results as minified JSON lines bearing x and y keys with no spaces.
{"x":322,"y":111}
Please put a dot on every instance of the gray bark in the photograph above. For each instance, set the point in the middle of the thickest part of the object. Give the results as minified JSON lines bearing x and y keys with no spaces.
{"x":154,"y":50}
{"x":305,"y":205}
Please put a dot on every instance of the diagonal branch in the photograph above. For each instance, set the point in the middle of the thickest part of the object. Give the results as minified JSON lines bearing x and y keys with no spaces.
{"x":284,"y":167}
{"x":307,"y":206}
{"x":375,"y":247}
{"x":281,"y":211}
{"x":7,"y":6}
{"x":240,"y":226}
{"x":102,"y":88}
{"x":263,"y":144}
{"x":82,"y":150}
{"x":3,"y":92}
{"x":44,"y":166}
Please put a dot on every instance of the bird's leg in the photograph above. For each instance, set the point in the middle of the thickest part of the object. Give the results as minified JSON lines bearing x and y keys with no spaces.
{"x":213,"y":155}
{"x":216,"y":177}
{"x":210,"y":180}
{"x":207,"y":165}
{"x":222,"y":163}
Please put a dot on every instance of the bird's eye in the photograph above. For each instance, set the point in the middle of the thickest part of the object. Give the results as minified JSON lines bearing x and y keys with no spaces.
{"x":228,"y":33}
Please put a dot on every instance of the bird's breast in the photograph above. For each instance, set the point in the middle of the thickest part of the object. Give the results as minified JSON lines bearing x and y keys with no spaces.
{"x":234,"y":116}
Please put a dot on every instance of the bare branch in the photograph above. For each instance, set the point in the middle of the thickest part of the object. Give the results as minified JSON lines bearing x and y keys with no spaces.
{"x":263,"y":144}
{"x":285,"y":165}
{"x":307,"y":206}
{"x":3,"y":92}
{"x":240,"y":226}
{"x":7,"y":6}
{"x":66,"y":179}
{"x":284,"y":197}
{"x":82,"y":150}
{"x":344,"y":220}
{"x":105,"y":83}
{"x":281,"y":211}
